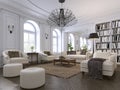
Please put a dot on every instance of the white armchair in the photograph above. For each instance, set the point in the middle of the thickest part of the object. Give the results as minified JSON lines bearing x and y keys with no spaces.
{"x":45,"y":57}
{"x":16,"y":57}
{"x":79,"y":57}
{"x":109,"y":65}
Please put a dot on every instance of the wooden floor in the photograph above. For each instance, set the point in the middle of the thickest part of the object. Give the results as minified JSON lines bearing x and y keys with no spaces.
{"x":77,"y":82}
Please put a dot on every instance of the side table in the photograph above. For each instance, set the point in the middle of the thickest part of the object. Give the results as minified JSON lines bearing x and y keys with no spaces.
{"x":33,"y":56}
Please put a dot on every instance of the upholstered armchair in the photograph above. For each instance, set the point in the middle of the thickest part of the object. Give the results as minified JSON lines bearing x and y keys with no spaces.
{"x":46,"y":56}
{"x":14,"y":56}
{"x":109,"y":65}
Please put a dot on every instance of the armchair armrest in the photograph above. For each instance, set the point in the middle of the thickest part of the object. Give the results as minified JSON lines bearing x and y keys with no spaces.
{"x":42,"y":56}
{"x":6,"y":58}
{"x":25,"y":55}
{"x":113,"y":58}
{"x":88,"y":55}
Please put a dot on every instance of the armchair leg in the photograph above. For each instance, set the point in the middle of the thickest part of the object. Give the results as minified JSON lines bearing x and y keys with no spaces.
{"x":83,"y":73}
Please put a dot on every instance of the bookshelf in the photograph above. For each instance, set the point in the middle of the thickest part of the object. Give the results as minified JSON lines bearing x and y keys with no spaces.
{"x":103,"y":31}
{"x":116,"y":37}
{"x":109,"y":37}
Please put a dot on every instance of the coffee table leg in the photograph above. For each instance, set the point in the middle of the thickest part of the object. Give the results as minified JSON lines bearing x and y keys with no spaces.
{"x":54,"y":62}
{"x":74,"y":63}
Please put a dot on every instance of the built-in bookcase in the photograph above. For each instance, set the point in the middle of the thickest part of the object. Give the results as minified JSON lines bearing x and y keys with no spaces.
{"x":116,"y":36}
{"x":109,"y":36}
{"x":103,"y":30}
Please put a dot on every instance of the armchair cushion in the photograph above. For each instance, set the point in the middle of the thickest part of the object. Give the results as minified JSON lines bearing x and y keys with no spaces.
{"x":104,"y":55}
{"x":83,"y":52}
{"x":13,"y":54}
{"x":18,"y":60}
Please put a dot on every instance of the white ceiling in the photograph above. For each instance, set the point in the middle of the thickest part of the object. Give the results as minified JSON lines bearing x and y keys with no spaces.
{"x":84,"y":10}
{"x":81,"y":8}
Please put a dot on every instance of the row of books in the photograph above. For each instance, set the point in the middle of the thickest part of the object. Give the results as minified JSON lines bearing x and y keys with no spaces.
{"x":115,"y":45}
{"x":103,"y":39}
{"x":103,"y":26}
{"x":116,"y":31}
{"x":115,"y":24}
{"x":102,"y":33}
{"x":118,"y":59}
{"x":116,"y":38}
{"x":116,"y":51}
{"x":107,"y":46}
{"x":103,"y":46}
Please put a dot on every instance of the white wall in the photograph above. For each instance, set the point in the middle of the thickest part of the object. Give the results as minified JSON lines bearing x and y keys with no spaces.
{"x":1,"y":35}
{"x":15,"y":39}
{"x":45,"y":42}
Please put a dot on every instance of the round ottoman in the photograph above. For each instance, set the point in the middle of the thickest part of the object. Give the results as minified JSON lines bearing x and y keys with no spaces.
{"x":11,"y":70}
{"x":31,"y":78}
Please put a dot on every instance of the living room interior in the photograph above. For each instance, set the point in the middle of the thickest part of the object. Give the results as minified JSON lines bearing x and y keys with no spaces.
{"x":54,"y":45}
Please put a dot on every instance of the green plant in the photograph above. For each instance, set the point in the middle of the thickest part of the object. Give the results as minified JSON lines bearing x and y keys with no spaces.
{"x":32,"y":47}
{"x":84,"y":47}
{"x":70,"y":48}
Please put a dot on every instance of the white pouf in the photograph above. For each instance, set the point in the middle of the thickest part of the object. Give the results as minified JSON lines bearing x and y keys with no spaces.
{"x":31,"y":78}
{"x":11,"y":70}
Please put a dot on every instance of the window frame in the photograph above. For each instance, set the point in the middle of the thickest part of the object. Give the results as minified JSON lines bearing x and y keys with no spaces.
{"x":31,"y":32}
{"x":71,"y":39}
{"x":56,"y":41}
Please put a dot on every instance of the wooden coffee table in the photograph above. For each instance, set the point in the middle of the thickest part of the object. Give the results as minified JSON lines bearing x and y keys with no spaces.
{"x":68,"y":61}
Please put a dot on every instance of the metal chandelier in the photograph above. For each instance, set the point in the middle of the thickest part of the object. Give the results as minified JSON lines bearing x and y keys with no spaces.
{"x":62,"y":17}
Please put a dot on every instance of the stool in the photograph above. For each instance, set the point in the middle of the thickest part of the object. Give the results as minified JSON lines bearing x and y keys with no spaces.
{"x":31,"y":78}
{"x":11,"y":70}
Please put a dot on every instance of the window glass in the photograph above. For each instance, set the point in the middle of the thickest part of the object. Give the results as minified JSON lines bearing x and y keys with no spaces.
{"x":56,"y":44}
{"x":29,"y":27}
{"x":71,"y":40}
{"x":83,"y":42}
{"x":55,"y":41}
{"x":29,"y":37}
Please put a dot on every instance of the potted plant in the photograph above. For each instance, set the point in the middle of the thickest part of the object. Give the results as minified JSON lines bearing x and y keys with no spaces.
{"x":84,"y":49}
{"x":32,"y":48}
{"x":70,"y":48}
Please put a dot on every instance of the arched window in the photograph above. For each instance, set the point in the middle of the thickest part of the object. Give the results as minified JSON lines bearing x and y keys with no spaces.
{"x":31,"y":36}
{"x":71,"y":40}
{"x":83,"y":42}
{"x":56,"y":41}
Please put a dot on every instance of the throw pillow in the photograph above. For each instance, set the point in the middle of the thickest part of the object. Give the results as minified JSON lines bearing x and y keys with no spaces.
{"x":13,"y":54}
{"x":48,"y":53}
{"x":83,"y":52}
{"x":71,"y":52}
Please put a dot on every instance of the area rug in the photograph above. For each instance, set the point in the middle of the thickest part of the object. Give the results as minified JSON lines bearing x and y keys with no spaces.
{"x":63,"y":71}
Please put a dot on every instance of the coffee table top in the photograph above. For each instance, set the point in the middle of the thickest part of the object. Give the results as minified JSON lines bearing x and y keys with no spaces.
{"x":67,"y":59}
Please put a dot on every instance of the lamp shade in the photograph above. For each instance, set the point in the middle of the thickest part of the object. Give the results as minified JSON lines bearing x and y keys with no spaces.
{"x":93,"y":36}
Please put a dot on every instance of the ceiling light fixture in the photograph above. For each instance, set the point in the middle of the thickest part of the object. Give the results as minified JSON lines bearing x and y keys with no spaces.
{"x":62,"y":17}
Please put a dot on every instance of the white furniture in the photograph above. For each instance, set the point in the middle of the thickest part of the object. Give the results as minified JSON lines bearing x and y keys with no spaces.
{"x":45,"y":57}
{"x":78,"y":56}
{"x":109,"y":65}
{"x":11,"y":70}
{"x":31,"y":78}
{"x":23,"y":58}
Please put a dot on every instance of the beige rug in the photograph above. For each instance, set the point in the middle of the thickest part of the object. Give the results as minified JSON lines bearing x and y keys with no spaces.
{"x":63,"y":71}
